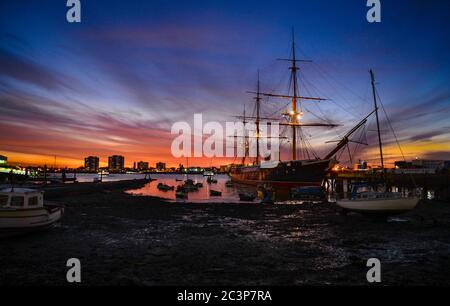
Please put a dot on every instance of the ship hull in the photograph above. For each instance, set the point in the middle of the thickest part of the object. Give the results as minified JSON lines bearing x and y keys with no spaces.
{"x":285,"y":175}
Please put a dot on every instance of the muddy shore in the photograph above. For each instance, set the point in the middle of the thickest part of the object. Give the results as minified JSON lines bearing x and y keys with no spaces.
{"x":133,"y":240}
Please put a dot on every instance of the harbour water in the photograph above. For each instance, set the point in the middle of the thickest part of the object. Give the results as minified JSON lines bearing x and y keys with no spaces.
{"x":229,"y":194}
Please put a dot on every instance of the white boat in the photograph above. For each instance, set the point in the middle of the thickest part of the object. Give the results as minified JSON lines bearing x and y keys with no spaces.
{"x":23,"y":210}
{"x":208,"y":173}
{"x":370,"y":201}
{"x":103,"y":172}
{"x":364,"y":198}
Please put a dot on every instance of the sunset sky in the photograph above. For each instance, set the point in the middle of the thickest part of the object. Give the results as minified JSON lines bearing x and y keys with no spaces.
{"x":116,"y":82}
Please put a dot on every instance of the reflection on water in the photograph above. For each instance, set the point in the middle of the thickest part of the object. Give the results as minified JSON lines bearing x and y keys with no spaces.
{"x":229,"y":194}
{"x":89,"y":177}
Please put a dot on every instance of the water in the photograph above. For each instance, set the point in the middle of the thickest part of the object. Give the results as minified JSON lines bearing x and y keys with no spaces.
{"x":89,"y":177}
{"x":229,"y":194}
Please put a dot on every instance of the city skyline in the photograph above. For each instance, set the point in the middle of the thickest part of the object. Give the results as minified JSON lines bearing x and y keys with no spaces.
{"x":116,"y":82}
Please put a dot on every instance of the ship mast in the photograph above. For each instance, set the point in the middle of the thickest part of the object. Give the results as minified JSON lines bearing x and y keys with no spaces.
{"x":372,"y":77}
{"x":294,"y":116}
{"x":258,"y":102}
{"x":245,"y":140}
{"x":294,"y":99}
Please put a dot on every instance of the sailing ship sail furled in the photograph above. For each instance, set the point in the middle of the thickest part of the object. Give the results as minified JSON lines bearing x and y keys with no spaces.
{"x":294,"y":172}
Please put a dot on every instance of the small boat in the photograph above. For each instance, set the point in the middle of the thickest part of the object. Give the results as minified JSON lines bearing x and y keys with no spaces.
{"x":215,"y":193}
{"x":165,"y":187}
{"x":208,"y":173}
{"x":190,"y":186}
{"x":308,"y":193}
{"x":23,"y":210}
{"x":229,"y":184}
{"x":210,"y":180}
{"x":247,"y":197}
{"x":181,"y":194}
{"x":371,"y":201}
{"x":178,"y":180}
{"x":103,"y":172}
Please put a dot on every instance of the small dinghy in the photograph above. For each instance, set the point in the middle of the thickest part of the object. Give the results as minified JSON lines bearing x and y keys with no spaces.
{"x":210,"y":180}
{"x":247,"y":197}
{"x":190,"y":186}
{"x":181,"y":193}
{"x":165,"y":187}
{"x":23,"y":210}
{"x":308,"y":193}
{"x":215,"y":193}
{"x":229,"y":184}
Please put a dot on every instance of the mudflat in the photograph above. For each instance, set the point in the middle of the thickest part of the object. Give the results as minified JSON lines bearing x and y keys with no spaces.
{"x":134,"y":240}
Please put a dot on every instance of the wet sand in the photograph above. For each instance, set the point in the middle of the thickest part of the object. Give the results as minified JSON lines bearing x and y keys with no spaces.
{"x":134,"y":240}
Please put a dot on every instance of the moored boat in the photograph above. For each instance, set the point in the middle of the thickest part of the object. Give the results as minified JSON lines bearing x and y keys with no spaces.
{"x":247,"y":197}
{"x":364,"y":199}
{"x":165,"y":187}
{"x":208,"y":173}
{"x":23,"y":210}
{"x":215,"y":193}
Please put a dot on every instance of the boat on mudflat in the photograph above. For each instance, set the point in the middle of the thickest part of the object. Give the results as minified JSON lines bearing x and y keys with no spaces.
{"x":23,"y":210}
{"x":364,"y":199}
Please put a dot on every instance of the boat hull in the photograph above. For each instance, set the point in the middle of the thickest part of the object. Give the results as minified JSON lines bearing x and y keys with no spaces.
{"x":18,"y":221}
{"x":377,"y":206}
{"x":285,"y":175}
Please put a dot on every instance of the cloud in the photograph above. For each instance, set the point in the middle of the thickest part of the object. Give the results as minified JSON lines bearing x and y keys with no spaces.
{"x":25,"y":70}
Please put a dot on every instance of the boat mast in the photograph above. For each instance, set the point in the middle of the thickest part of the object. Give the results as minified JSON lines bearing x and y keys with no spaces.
{"x":245,"y":140}
{"x":293,"y":113}
{"x":372,"y":77}
{"x":258,"y":100}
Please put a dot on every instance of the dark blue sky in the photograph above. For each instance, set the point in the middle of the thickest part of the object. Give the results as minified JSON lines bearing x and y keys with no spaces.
{"x":132,"y":68}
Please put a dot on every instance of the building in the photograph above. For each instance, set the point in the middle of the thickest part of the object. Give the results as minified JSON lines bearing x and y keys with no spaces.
{"x":3,"y":160}
{"x":161,"y":166}
{"x":116,"y":163}
{"x":91,"y":163}
{"x":423,"y":164}
{"x":142,"y":166}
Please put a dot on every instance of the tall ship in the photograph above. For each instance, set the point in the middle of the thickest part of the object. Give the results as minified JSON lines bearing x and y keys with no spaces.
{"x":295,"y":172}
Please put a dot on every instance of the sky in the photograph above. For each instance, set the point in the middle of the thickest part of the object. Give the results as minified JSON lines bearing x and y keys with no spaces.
{"x":116,"y":82}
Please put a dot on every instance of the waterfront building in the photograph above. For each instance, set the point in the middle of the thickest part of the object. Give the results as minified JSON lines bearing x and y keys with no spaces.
{"x":160,"y":166}
{"x":142,"y":166}
{"x":116,"y":163}
{"x":91,"y":163}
